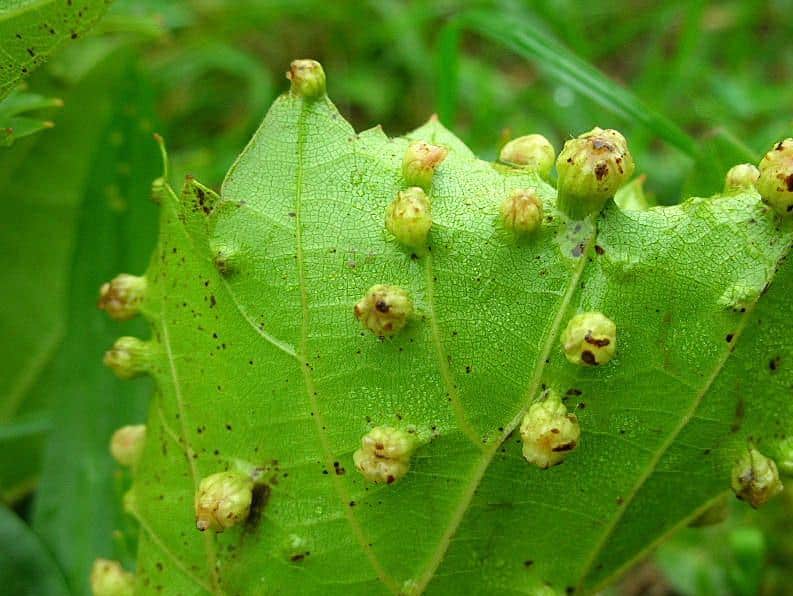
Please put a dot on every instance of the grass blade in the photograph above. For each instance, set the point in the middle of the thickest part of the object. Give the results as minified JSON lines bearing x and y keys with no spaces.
{"x":528,"y":41}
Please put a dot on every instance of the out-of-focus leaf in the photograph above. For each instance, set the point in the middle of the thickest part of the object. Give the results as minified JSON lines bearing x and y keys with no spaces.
{"x":720,"y":149}
{"x":77,"y":507}
{"x":196,"y":78}
{"x":26,"y":568}
{"x":45,"y":179}
{"x":726,"y":559}
{"x":32,"y":29}
{"x":519,"y":34}
{"x":16,"y":121}
{"x":21,"y":440}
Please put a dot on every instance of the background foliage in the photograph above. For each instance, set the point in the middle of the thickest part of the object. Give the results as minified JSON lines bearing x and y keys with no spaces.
{"x":704,"y":85}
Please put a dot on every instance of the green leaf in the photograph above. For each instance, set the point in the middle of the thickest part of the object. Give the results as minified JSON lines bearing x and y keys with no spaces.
{"x":77,"y":508}
{"x":26,"y":568}
{"x":15,"y":120}
{"x":32,"y":30}
{"x":728,"y":558}
{"x":260,"y":362}
{"x":43,"y":236}
{"x":45,"y":207}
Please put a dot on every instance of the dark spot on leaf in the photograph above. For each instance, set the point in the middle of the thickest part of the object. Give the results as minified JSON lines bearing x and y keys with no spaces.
{"x":588,"y":357}
{"x":729,"y":337}
{"x":773,"y":364}
{"x":599,"y":249}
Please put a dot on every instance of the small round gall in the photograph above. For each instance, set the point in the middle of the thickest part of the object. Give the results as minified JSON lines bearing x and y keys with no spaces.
{"x":420,"y":162}
{"x":755,"y":478}
{"x":384,"y":456}
{"x":108,"y":578}
{"x":775,"y":184}
{"x":128,"y":358}
{"x":408,"y":217}
{"x":307,"y":79}
{"x":225,"y":258}
{"x":122,"y":296}
{"x":521,"y":211}
{"x":384,"y":310}
{"x":533,"y":152}
{"x":590,"y":339}
{"x":223,"y":500}
{"x":591,"y":168}
{"x":549,"y":432}
{"x":126,"y":444}
{"x":744,"y":176}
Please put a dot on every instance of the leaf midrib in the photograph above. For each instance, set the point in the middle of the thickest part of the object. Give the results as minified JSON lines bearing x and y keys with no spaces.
{"x":447,"y":377}
{"x":487,"y":457}
{"x":302,"y":355}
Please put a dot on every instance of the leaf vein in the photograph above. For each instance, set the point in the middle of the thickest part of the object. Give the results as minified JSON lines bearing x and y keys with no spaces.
{"x":177,"y":389}
{"x":302,"y":357}
{"x":654,"y":461}
{"x":443,"y":363}
{"x":487,"y":457}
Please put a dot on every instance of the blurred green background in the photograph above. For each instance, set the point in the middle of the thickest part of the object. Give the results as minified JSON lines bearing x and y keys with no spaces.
{"x":695,"y":87}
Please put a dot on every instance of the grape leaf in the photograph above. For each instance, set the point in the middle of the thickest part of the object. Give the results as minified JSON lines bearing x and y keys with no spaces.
{"x":259,"y":361}
{"x":31,"y":30}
